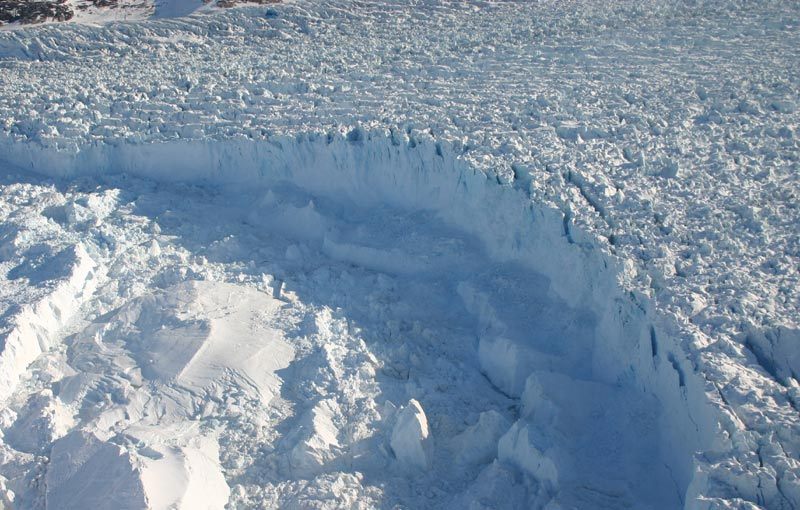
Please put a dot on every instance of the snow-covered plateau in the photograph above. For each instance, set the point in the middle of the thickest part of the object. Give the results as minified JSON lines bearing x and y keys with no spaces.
{"x":418,"y":254}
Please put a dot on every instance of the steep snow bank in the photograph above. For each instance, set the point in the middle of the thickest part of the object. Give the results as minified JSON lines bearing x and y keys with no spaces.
{"x":33,"y":329}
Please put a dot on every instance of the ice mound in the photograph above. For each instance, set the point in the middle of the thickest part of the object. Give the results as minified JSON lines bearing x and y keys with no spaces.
{"x":189,"y":476}
{"x":199,"y":336}
{"x":210,"y":337}
{"x":85,"y":472}
{"x":411,"y":441}
{"x":168,"y":357}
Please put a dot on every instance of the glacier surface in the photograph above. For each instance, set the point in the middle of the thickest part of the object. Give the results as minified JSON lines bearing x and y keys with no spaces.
{"x":415,"y":254}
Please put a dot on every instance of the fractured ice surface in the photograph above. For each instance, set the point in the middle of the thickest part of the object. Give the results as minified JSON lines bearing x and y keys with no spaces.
{"x":545,"y":259}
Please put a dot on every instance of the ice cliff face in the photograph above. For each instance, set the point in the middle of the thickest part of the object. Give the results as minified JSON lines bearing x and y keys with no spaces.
{"x":606,"y":200}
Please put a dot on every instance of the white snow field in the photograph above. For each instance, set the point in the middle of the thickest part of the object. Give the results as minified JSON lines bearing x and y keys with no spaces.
{"x":361,"y":254}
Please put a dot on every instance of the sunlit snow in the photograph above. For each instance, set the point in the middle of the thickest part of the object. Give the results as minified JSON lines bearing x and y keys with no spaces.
{"x":402,"y":255}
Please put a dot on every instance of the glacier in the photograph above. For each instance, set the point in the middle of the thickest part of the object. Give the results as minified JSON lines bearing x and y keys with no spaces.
{"x":327,"y":277}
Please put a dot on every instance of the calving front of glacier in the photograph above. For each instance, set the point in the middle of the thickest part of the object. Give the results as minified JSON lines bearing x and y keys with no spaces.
{"x":301,"y":263}
{"x":595,"y":399}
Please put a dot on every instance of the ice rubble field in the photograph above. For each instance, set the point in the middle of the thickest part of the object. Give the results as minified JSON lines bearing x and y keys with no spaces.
{"x":356,"y":254}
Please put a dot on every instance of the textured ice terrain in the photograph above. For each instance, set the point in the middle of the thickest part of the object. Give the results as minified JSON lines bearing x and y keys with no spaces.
{"x":426,"y":255}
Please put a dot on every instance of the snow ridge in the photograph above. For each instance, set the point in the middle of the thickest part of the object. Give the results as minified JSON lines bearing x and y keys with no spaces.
{"x":35,"y":327}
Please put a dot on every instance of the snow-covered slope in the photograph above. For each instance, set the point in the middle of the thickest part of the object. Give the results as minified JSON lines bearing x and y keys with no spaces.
{"x":428,"y":255}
